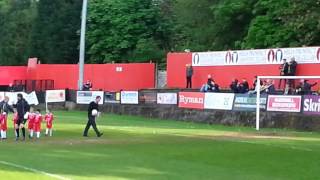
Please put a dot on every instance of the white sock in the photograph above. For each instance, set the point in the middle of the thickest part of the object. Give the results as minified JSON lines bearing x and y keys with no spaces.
{"x":47,"y":131}
{"x":50,"y":132}
{"x":4,"y":135}
{"x":38,"y":134}
{"x":31,"y":133}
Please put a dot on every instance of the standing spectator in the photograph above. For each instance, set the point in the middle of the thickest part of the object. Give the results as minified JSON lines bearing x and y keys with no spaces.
{"x":292,"y":69}
{"x":22,"y":109}
{"x":234,"y":86}
{"x":283,"y":71}
{"x":189,"y":74}
{"x":87,"y":86}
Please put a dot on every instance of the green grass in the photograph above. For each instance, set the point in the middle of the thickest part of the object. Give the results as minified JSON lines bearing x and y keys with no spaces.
{"x":140,"y":148}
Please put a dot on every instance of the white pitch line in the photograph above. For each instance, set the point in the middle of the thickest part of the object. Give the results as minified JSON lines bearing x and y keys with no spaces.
{"x":34,"y":170}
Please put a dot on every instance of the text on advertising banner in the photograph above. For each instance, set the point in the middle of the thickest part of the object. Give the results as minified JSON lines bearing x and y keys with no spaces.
{"x":248,"y":102}
{"x":311,"y":105}
{"x":192,"y":100}
{"x":85,"y":97}
{"x":129,"y":97}
{"x":221,"y":101}
{"x":55,"y":96}
{"x":167,"y":98}
{"x":283,"y":103}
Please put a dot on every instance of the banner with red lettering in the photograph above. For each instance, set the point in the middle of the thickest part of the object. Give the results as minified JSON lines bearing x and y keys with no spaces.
{"x":284,"y":103}
{"x":193,"y":100}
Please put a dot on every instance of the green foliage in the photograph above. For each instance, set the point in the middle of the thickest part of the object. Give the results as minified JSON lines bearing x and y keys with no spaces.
{"x":117,"y":29}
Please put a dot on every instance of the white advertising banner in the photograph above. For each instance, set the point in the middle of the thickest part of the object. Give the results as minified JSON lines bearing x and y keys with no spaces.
{"x":1,"y":96}
{"x":55,"y":96}
{"x":302,"y":55}
{"x":167,"y":98}
{"x":86,"y":97}
{"x":129,"y":97}
{"x":31,"y":98}
{"x":222,"y":101}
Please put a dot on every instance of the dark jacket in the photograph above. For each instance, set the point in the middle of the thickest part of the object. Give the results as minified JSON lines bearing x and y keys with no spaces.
{"x":284,"y":69}
{"x":5,"y":107}
{"x":93,"y":105}
{"x":189,"y":71}
{"x":305,"y":88}
{"x":292,"y":68}
{"x":22,"y":107}
{"x":234,"y":87}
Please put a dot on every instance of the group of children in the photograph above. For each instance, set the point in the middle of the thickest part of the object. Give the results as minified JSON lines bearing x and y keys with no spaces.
{"x":34,"y":122}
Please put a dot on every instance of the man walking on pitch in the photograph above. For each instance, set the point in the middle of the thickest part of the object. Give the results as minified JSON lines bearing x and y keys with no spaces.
{"x":92,"y":114}
{"x":22,"y":110}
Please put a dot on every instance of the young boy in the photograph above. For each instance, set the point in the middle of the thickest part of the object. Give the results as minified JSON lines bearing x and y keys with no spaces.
{"x":37,"y":123}
{"x":31,"y":119}
{"x":4,"y":127}
{"x":49,"y":120}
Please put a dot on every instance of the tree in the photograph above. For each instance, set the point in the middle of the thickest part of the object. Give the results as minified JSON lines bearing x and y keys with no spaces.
{"x":16,"y":20}
{"x":124,"y":30}
{"x":55,"y":37}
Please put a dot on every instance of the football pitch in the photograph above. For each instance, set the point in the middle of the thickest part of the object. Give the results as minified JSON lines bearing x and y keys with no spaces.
{"x":141,"y":148}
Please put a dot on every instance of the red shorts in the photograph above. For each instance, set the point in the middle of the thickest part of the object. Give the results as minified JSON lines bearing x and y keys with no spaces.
{"x":49,"y":125}
{"x":30,"y":125}
{"x":37,"y":127}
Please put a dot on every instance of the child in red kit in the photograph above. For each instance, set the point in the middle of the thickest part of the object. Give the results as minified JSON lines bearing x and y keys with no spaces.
{"x":4,"y":126}
{"x":49,"y":120}
{"x":37,"y":123}
{"x":31,"y":119}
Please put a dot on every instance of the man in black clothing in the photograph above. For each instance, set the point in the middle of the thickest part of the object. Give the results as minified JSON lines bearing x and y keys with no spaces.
{"x":189,"y":74}
{"x":234,"y":86}
{"x":283,"y":71}
{"x":22,"y":107}
{"x":94,"y":105}
{"x":292,"y":69}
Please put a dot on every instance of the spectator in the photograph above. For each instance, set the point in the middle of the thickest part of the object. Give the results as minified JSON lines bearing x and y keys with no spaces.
{"x":215,"y":87}
{"x":292,"y":69}
{"x":244,"y":86}
{"x":208,"y":86}
{"x":255,"y":83}
{"x":87,"y":86}
{"x":269,"y":87}
{"x":283,"y":71}
{"x":189,"y":74}
{"x":304,"y":88}
{"x":234,"y":86}
{"x":11,"y":88}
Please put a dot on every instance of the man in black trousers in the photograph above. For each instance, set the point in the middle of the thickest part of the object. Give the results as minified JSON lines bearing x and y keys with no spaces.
{"x":94,"y":105}
{"x":22,"y":108}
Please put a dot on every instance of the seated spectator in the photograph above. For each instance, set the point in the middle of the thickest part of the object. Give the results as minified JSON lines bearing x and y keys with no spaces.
{"x":87,"y":86}
{"x":11,"y":88}
{"x":244,"y":86}
{"x":255,"y":83}
{"x":267,"y":87}
{"x":214,"y":87}
{"x":234,"y":86}
{"x":304,"y":88}
{"x":208,"y":86}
